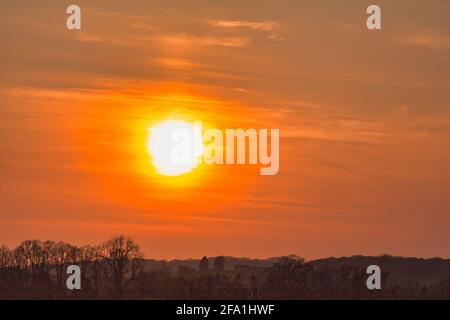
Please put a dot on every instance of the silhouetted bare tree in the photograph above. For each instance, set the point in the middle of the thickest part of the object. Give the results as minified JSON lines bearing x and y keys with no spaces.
{"x":289,"y":277}
{"x":123,"y":262}
{"x":204,"y":265}
{"x":219,"y":264}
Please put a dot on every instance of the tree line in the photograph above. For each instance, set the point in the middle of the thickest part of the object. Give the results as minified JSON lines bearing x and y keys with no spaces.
{"x":116,"y":269}
{"x":36,"y":269}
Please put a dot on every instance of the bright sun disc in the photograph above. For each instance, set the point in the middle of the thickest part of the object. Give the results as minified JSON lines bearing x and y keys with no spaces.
{"x":164,"y":143}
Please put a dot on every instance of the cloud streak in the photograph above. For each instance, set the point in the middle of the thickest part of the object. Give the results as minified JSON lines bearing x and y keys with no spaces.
{"x":428,"y":38}
{"x":237,"y":42}
{"x":255,"y":25}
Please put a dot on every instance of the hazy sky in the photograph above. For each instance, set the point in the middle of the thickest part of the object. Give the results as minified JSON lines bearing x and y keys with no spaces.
{"x":364,"y":119}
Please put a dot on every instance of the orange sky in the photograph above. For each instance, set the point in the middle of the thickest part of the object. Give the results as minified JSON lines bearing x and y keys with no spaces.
{"x":364,"y":118}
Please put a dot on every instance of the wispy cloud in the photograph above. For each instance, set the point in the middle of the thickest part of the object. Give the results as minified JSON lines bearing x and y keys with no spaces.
{"x":271,"y":28}
{"x":255,"y":25}
{"x":206,"y":40}
{"x":178,"y":64}
{"x":428,"y":38}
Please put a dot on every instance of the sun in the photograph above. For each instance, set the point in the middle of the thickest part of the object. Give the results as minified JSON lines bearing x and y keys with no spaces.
{"x":175,"y":147}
